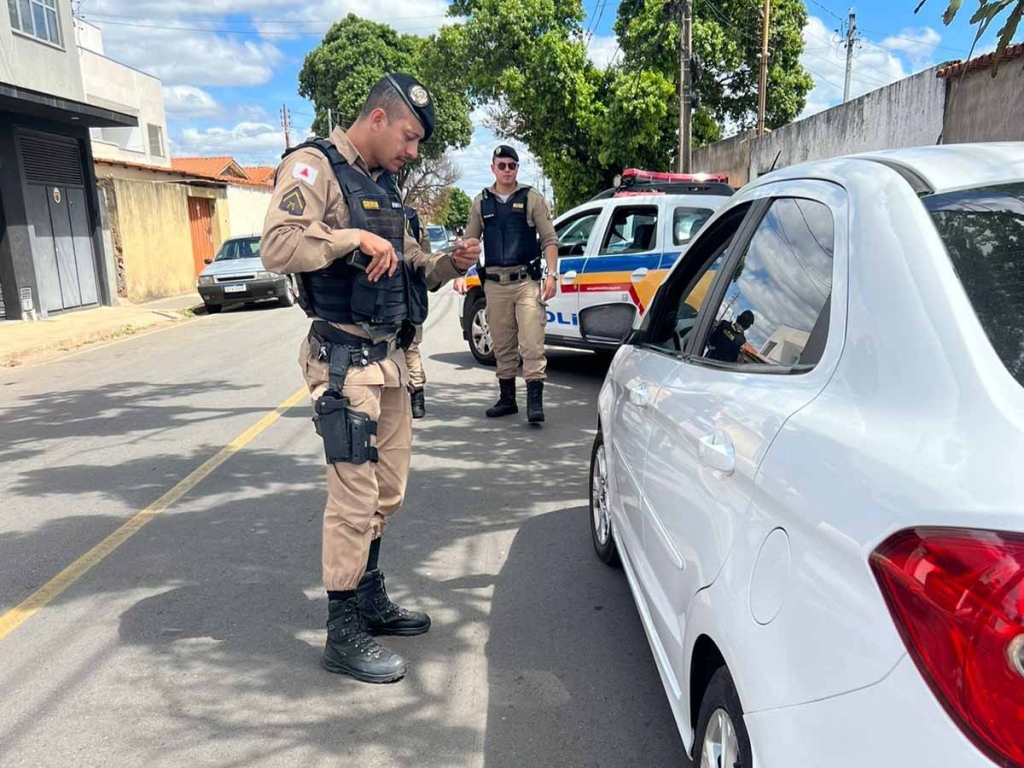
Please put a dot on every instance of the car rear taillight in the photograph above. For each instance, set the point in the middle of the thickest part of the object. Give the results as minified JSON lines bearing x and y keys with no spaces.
{"x":957,"y":597}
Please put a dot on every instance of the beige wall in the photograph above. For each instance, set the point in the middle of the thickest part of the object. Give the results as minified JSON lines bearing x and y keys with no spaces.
{"x":986,"y":108}
{"x":150,"y":231}
{"x":729,"y":156}
{"x":41,"y":66}
{"x":247,"y":208}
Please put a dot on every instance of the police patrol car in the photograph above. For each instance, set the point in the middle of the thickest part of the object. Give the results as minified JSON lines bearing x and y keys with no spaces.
{"x":613,"y":252}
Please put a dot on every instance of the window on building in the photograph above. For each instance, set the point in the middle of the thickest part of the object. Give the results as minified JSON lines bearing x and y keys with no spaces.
{"x":156,"y":140}
{"x":38,"y":18}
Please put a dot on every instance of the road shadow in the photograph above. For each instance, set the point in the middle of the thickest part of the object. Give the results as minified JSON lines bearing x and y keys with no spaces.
{"x":571,"y":679}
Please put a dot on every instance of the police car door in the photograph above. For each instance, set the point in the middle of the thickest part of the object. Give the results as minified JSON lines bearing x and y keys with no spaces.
{"x":620,"y":278}
{"x":577,"y":233}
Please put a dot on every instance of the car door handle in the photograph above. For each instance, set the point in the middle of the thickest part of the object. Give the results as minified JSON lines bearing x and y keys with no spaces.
{"x":717,"y":451}
{"x":640,"y":395}
{"x":638,"y":274}
{"x":569,"y":277}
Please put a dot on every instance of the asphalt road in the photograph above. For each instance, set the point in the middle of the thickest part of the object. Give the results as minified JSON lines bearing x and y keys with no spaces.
{"x":196,"y":641}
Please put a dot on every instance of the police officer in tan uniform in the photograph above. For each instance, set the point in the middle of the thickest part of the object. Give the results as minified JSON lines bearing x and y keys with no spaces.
{"x":512,"y":217}
{"x":413,"y":358}
{"x":337,"y":222}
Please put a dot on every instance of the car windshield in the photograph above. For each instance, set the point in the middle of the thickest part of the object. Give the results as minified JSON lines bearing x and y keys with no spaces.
{"x":245,"y":248}
{"x":983,"y":231}
{"x":436,"y":233}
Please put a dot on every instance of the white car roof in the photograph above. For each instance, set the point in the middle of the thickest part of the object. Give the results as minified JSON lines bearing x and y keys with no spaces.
{"x":944,"y":167}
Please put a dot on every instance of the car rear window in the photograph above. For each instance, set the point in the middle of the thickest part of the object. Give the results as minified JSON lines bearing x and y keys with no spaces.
{"x":983,"y":231}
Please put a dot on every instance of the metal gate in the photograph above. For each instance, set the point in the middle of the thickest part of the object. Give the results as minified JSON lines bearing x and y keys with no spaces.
{"x":58,"y":219}
{"x":200,"y":221}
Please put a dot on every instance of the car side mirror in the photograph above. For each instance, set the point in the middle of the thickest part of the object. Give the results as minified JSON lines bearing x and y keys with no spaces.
{"x":207,"y":261}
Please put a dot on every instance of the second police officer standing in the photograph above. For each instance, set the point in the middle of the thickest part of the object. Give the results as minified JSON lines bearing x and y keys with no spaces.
{"x":336,"y":220}
{"x":517,"y":286}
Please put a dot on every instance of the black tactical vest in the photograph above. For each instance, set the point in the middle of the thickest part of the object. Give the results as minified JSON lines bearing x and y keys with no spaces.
{"x":341,"y":292}
{"x":509,"y":241}
{"x":417,"y":277}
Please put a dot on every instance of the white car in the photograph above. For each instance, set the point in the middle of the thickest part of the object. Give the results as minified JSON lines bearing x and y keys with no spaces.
{"x":821,"y":515}
{"x":613,"y":253}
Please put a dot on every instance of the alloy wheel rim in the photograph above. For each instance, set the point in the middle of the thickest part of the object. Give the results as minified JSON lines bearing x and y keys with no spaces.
{"x":599,"y":505}
{"x":481,"y":333}
{"x":721,"y":747}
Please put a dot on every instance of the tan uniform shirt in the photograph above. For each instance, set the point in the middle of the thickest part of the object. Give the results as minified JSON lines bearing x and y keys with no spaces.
{"x":537,"y":215}
{"x":307,"y":227}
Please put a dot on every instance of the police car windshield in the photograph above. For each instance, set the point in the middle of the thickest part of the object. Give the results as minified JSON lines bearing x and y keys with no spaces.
{"x":983,"y":231}
{"x":244,"y":248}
{"x":436,"y":233}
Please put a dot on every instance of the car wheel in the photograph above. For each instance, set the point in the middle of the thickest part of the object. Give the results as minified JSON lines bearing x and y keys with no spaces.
{"x":213,"y":309}
{"x":480,"y":333}
{"x":600,"y":513}
{"x":722,"y":740}
{"x":290,"y":297}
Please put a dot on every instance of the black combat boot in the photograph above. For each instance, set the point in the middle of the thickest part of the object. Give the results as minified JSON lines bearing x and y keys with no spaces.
{"x":382,"y":616}
{"x":535,"y":402}
{"x":419,"y":404}
{"x":506,"y":404}
{"x":351,"y":651}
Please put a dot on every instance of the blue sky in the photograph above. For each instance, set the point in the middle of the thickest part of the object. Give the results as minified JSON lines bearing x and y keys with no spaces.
{"x":228,"y":66}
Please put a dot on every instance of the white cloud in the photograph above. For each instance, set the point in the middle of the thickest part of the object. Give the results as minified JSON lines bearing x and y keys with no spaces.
{"x":874,"y":66}
{"x":189,"y":101}
{"x":284,"y":19}
{"x":249,"y":143}
{"x":602,"y":50}
{"x":918,"y":45}
{"x":475,"y":162}
{"x":182,"y":57}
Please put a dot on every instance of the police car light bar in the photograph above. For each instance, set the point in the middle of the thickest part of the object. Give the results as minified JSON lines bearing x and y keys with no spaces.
{"x":634,"y":175}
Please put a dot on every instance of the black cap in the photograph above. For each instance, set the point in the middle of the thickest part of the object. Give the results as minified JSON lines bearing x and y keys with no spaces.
{"x":504,"y":150}
{"x":416,"y":98}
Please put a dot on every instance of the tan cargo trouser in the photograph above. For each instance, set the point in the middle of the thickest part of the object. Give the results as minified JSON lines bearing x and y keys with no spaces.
{"x":361,"y":497}
{"x":516,"y":319}
{"x":414,"y":361}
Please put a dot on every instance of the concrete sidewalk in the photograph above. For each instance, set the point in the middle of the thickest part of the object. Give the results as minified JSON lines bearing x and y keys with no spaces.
{"x":24,"y":341}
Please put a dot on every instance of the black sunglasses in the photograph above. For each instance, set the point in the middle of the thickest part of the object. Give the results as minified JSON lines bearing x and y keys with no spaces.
{"x":507,"y":166}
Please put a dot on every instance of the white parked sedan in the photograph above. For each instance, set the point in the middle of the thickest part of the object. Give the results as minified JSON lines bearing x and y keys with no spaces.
{"x":809,"y":462}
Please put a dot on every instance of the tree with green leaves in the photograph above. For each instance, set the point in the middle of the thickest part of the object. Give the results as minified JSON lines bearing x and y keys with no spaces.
{"x":528,"y":58}
{"x":353,"y":55}
{"x":988,"y":11}
{"x":457,"y":214}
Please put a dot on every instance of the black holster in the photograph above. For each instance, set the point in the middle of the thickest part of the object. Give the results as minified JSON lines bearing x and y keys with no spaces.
{"x":535,"y":270}
{"x":346,"y":432}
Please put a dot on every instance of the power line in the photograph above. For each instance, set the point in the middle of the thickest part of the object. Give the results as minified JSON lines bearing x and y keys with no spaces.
{"x":912,"y":40}
{"x":829,"y":11}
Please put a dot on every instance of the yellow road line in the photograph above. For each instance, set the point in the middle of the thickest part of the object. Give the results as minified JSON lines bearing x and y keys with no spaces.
{"x":22,"y":612}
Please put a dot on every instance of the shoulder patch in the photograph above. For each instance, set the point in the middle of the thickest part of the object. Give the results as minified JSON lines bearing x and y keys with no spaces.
{"x":293,"y":202}
{"x":305,"y":172}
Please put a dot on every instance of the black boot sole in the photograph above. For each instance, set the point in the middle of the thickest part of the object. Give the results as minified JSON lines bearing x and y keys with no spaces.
{"x":397,"y":632}
{"x":499,"y":415}
{"x":536,"y":418}
{"x":338,"y":669}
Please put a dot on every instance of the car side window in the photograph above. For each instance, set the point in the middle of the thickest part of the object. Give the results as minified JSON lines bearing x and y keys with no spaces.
{"x":775,"y":308}
{"x":686,"y":222}
{"x":632,"y":229}
{"x":574,"y":233}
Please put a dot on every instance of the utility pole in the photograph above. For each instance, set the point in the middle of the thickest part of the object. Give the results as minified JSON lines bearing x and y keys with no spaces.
{"x":762,"y":78}
{"x":683,"y":161}
{"x":284,"y":124}
{"x":851,"y":38}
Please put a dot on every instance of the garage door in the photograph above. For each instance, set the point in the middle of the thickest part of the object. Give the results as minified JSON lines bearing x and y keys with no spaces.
{"x":58,"y":220}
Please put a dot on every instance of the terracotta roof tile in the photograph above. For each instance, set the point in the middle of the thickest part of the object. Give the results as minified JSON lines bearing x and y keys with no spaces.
{"x":260,"y":173}
{"x":954,"y":68}
{"x":204,"y":166}
{"x":179,"y":172}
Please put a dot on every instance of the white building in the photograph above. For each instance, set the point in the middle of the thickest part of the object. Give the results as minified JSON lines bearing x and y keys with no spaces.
{"x":112,"y":85}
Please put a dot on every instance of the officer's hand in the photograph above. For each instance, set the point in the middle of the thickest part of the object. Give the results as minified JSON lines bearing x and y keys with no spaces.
{"x":467,"y":254}
{"x":385,"y":262}
{"x":550,"y":286}
{"x":459,"y":284}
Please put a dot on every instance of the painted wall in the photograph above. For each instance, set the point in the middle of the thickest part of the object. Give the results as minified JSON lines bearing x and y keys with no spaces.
{"x":986,"y":108}
{"x":41,"y":66}
{"x":907,"y":113}
{"x":247,"y":209}
{"x":729,"y":156}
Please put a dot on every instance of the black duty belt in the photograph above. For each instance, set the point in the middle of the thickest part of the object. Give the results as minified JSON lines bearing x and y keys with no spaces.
{"x":323,"y":336}
{"x":522,"y":273}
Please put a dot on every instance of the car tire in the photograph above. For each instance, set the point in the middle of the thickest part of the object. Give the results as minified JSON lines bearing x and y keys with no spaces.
{"x":289,"y":299}
{"x":479,"y":333}
{"x":600,"y":514}
{"x":722,"y":738}
{"x":213,"y":309}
